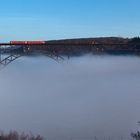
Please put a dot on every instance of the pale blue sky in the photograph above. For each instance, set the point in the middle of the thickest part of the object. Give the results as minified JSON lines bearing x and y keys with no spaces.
{"x":56,"y":19}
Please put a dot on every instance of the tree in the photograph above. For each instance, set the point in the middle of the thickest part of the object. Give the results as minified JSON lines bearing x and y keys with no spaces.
{"x":136,"y":135}
{"x":135,"y":40}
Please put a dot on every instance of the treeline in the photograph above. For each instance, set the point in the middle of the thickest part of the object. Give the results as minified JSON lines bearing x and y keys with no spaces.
{"x":88,"y":45}
{"x":16,"y":136}
{"x":100,"y":40}
{"x":135,"y":40}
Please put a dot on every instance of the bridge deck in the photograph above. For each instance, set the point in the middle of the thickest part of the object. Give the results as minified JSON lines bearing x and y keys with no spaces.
{"x":9,"y":44}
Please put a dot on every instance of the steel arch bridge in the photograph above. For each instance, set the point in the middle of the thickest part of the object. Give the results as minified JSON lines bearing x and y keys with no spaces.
{"x":12,"y":53}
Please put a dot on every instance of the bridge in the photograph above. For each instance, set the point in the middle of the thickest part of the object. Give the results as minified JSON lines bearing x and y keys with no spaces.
{"x":16,"y":49}
{"x":13,"y":50}
{"x":26,"y":46}
{"x":50,"y":43}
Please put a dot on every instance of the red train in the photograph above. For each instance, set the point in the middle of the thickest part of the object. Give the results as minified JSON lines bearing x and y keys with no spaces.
{"x":27,"y":42}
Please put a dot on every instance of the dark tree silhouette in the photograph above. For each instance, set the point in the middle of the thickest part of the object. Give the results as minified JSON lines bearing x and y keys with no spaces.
{"x":16,"y":136}
{"x":136,"y":135}
{"x":135,"y":40}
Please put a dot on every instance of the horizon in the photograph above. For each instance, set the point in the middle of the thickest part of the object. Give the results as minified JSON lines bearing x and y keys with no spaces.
{"x":54,"y":20}
{"x":78,"y":38}
{"x":75,"y":38}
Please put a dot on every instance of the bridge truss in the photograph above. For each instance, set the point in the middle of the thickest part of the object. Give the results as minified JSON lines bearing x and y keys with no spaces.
{"x":7,"y":60}
{"x":11,"y":53}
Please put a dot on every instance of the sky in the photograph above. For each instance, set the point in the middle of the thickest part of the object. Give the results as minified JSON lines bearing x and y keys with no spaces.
{"x":58,"y":19}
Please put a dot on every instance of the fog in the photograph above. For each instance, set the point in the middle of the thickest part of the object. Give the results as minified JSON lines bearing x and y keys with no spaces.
{"x":76,"y":98}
